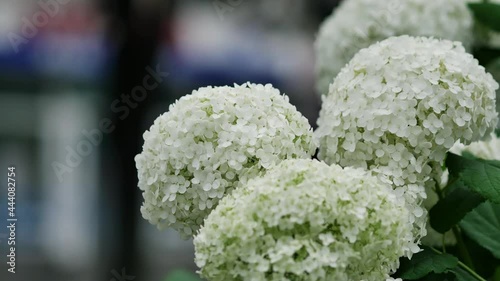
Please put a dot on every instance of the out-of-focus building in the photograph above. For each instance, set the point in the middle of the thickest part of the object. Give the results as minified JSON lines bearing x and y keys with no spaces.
{"x":56,"y":65}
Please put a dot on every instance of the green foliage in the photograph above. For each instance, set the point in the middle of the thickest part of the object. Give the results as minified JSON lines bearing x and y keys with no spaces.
{"x":462,"y":275}
{"x":432,"y":265}
{"x":484,"y":261}
{"x":425,"y":263}
{"x":486,"y":55}
{"x":449,"y":276}
{"x":481,"y":176}
{"x":496,"y":277}
{"x":450,"y":210}
{"x":494,"y":67}
{"x":182,"y":275}
{"x":487,"y":13}
{"x":483,"y":226}
{"x":472,"y":181}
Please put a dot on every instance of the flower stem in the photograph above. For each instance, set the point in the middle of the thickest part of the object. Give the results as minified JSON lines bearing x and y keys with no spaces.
{"x":470,"y":271}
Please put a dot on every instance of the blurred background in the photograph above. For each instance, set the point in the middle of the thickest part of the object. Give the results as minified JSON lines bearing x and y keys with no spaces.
{"x":81,"y":80}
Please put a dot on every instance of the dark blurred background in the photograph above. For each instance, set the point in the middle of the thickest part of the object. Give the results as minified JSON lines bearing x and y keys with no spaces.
{"x":81,"y":80}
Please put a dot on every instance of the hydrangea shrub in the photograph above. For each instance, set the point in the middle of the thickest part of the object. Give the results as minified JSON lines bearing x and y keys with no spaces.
{"x":232,"y":164}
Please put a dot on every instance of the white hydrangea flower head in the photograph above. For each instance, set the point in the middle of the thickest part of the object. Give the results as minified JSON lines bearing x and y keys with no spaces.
{"x":305,"y":220}
{"x":211,"y":141}
{"x":400,"y":105}
{"x":357,"y":24}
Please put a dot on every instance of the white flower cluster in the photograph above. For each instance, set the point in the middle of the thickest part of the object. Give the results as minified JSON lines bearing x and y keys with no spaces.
{"x":357,"y":24}
{"x":400,"y":105}
{"x":305,"y":220}
{"x":210,"y":141}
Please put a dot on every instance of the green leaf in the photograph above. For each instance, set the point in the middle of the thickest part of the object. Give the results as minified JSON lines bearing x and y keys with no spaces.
{"x":483,"y":226}
{"x":450,"y":276}
{"x":496,"y":276}
{"x":182,"y":275}
{"x":487,"y":14}
{"x":481,"y":176}
{"x":424,"y":263}
{"x":463,"y":275}
{"x":451,"y":210}
{"x":484,"y":261}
